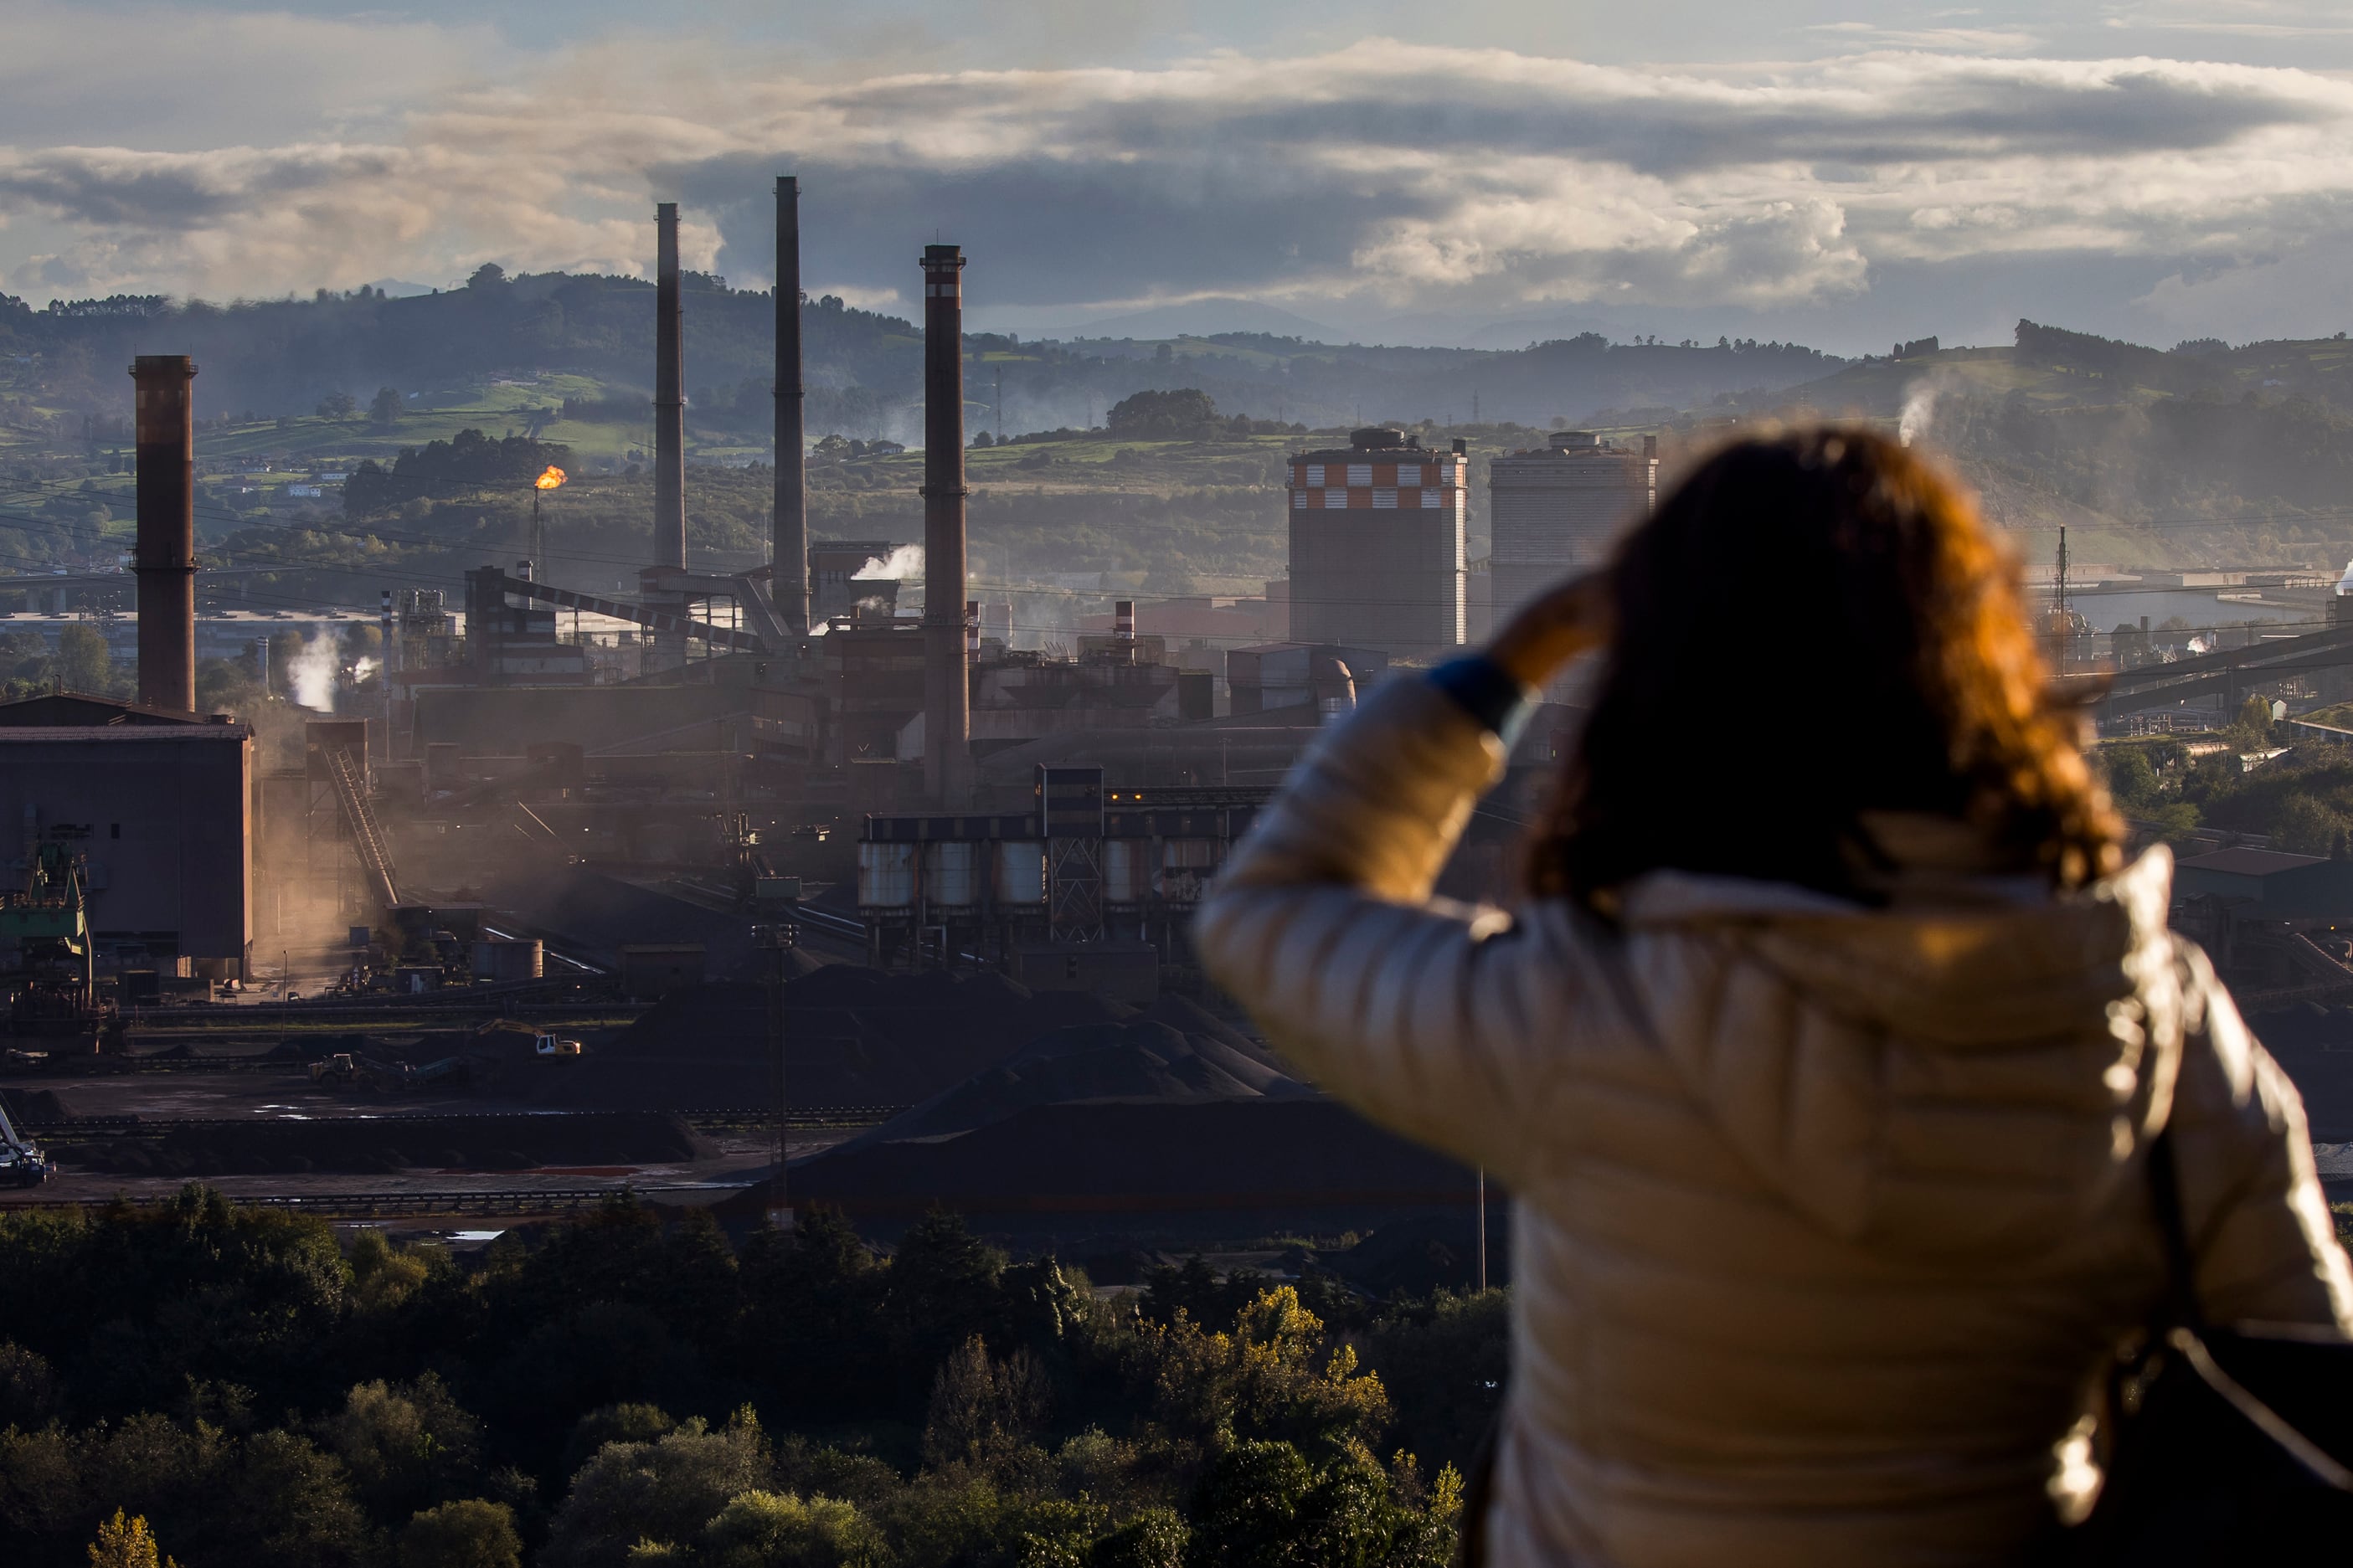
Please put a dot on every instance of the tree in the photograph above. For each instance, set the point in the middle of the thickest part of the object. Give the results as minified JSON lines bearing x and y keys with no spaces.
{"x":386,"y":407}
{"x":614,"y":1424}
{"x":2249,"y":729}
{"x":469,"y":460}
{"x":1247,"y":1507}
{"x":944,"y":1288}
{"x":1153,"y":1539}
{"x":2131,"y":781}
{"x":121,"y":1544}
{"x":1185,"y":414}
{"x":1271,"y":1376}
{"x":662,"y":1492}
{"x":777,"y":1530}
{"x":488,"y":279}
{"x":821,"y":1281}
{"x":29,"y":1391}
{"x":338,"y":406}
{"x":408,"y":1446}
{"x":383,"y":1276}
{"x":468,"y":1535}
{"x":983,"y":1410}
{"x":2306,"y":825}
{"x":83,"y":662}
{"x":287,"y":1505}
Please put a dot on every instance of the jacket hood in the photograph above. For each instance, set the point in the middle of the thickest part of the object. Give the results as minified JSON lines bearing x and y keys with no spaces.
{"x":1964,"y":1068}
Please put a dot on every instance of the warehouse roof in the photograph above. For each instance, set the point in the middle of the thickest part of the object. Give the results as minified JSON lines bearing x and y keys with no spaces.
{"x":2248,"y":862}
{"x":83,"y":709}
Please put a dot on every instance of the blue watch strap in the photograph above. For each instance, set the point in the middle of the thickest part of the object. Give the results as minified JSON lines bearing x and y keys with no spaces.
{"x":1490,"y":694}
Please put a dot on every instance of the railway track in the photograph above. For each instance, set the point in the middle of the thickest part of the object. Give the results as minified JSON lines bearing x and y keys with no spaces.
{"x":457,"y":1202}
{"x":83,"y":1129}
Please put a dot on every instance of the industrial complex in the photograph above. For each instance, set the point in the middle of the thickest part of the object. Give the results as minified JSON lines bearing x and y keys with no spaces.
{"x":767,"y":855}
{"x":770,"y":879}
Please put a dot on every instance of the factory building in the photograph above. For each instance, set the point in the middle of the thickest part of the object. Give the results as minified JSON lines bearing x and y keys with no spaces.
{"x":875,"y":676}
{"x":157,"y":803}
{"x":835,"y":589}
{"x":1561,"y":508}
{"x":1376,"y":544}
{"x":1271,"y":675}
{"x":1087,"y":867}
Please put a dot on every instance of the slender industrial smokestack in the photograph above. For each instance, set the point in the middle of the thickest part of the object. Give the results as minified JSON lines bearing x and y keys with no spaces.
{"x":788,"y":584}
{"x":947,"y":699}
{"x":670,"y":397}
{"x":165,"y":555}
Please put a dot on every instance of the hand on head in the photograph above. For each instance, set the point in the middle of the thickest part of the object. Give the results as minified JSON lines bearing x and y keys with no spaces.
{"x":1565,"y":620}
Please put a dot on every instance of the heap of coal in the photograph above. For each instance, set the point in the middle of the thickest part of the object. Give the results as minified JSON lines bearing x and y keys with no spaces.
{"x":1257,"y":1156}
{"x":853,"y":1036}
{"x":385,"y":1145}
{"x":28,"y":1105}
{"x":1144,"y":1058}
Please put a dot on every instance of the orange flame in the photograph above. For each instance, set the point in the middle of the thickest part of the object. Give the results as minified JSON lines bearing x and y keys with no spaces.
{"x":550,"y":479}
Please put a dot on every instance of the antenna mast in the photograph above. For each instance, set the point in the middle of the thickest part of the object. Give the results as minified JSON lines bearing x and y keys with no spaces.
{"x":2061,"y":615}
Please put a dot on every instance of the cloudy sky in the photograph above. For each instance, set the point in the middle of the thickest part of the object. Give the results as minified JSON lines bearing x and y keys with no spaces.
{"x":1485,"y":171}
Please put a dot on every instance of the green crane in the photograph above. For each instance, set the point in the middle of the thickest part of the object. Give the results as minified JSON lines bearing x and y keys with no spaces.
{"x":55,"y":984}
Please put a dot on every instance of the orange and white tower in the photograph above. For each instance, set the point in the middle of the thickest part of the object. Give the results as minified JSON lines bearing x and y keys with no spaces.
{"x":1376,"y":544}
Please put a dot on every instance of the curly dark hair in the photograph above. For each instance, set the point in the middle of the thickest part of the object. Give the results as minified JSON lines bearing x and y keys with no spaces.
{"x":1812,"y":627}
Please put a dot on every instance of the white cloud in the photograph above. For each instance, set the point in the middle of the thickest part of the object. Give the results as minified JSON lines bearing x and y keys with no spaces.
{"x":1396,"y":172}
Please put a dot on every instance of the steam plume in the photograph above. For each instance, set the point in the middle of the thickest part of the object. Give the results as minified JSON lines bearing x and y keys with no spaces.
{"x":312,"y":672}
{"x":1919,"y":408}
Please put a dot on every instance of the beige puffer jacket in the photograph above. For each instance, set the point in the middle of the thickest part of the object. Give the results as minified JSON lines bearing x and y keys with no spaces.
{"x":1825,"y":1216}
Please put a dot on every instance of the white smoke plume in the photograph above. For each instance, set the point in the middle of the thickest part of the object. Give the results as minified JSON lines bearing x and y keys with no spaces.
{"x":904,"y":563}
{"x":311,"y":672}
{"x":1919,"y":409}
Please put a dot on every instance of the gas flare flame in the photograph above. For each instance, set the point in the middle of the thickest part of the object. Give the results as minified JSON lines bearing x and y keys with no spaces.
{"x":550,"y":479}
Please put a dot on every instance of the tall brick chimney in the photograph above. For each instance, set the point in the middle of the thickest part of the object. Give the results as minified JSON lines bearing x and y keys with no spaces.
{"x":165,"y":554}
{"x":788,"y":581}
{"x":948,"y":697}
{"x":669,"y":397}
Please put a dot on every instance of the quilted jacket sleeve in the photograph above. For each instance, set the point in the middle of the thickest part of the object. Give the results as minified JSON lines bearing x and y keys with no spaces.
{"x":1438,"y":1020}
{"x":2266,"y":1246}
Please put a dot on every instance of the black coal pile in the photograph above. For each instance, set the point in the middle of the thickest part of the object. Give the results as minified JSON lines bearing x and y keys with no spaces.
{"x":1259,"y":1154}
{"x":853,"y":1036}
{"x":33,"y":1105}
{"x":1140,"y":1059}
{"x":599,"y":914}
{"x":384,"y":1145}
